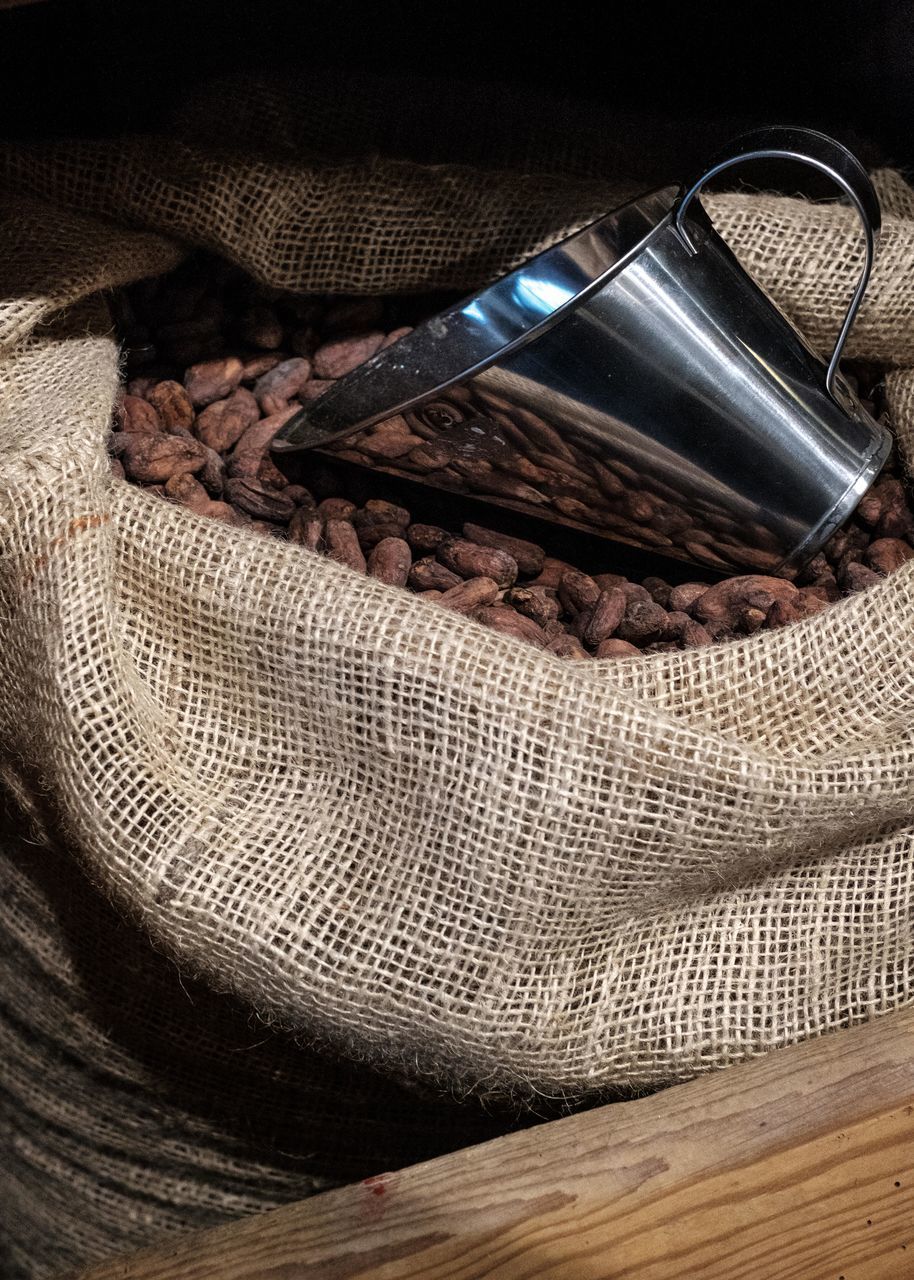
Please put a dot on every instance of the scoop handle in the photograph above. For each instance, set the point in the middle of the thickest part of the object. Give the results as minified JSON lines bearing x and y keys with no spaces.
{"x":821,"y":152}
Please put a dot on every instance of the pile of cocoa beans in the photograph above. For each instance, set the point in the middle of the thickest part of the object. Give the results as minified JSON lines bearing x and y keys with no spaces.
{"x":216,"y":364}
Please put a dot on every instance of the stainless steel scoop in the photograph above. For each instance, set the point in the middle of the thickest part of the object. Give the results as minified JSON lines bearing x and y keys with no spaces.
{"x":634,"y":381}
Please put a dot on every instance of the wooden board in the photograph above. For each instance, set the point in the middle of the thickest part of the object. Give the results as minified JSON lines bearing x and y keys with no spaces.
{"x":796,"y":1166}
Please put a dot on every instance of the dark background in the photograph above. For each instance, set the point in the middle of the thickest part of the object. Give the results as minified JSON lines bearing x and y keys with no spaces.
{"x":74,"y":66}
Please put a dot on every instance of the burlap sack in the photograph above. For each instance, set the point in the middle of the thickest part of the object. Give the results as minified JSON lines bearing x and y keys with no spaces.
{"x":362,"y":822}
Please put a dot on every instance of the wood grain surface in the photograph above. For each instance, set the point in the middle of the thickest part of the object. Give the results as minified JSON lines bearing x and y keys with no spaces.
{"x":796,"y":1166}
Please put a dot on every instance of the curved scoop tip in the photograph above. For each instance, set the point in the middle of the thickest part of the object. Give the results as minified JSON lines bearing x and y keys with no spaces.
{"x":292,"y":435}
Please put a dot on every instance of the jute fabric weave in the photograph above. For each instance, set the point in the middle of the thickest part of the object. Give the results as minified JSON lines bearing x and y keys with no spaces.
{"x":372,"y":826}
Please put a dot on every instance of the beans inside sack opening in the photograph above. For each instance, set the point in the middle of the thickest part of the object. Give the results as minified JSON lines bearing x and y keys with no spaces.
{"x":217,"y":363}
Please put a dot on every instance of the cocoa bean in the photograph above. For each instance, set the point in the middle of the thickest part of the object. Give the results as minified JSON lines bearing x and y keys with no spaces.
{"x":429,"y":575}
{"x":671,"y":521}
{"x":336,"y":509}
{"x":575,"y":510}
{"x":528,"y":556}
{"x":258,"y":501}
{"x":608,"y":481}
{"x":137,"y":414}
{"x":379,"y":509}
{"x":472,"y":467}
{"x":301,"y":496}
{"x":577,"y":591}
{"x":538,"y":430}
{"x":724,"y":602}
{"x":172,"y":404}
{"x":472,"y":561}
{"x":186,"y":489}
{"x":848,"y":539}
{"x":826,"y":589}
{"x":617,"y":649}
{"x":606,"y":581}
{"x":117,"y":468}
{"x":306,"y":528}
{"x":685,"y":631}
{"x":580,"y":622}
{"x":694,"y":635}
{"x":551,"y":573}
{"x":565,"y":646}
{"x":226,"y":513}
{"x":390,"y":444}
{"x":885,"y":509}
{"x":142,"y":383}
{"x":885,"y":555}
{"x":639,"y":506}
{"x":428,"y":457}
{"x":854,"y":555}
{"x":630,"y":478}
{"x":683,"y":597}
{"x":269,"y":475}
{"x":642,"y":623}
{"x":275,"y":389}
{"x":499,"y":486}
{"x":223,"y":422}
{"x":704,"y":555}
{"x":251,"y":449}
{"x":659,"y":589}
{"x":337,"y":358}
{"x":212,"y":473}
{"x":635,"y":592}
{"x":372,"y":531}
{"x":213,"y":380}
{"x":562,"y":485}
{"x":606,"y":615}
{"x":810,"y":601}
{"x":390,"y":561}
{"x":750,"y":618}
{"x":813,"y":570}
{"x":553,"y":471}
{"x":470,"y":594}
{"x":153,"y":458}
{"x":256,"y":366}
{"x":643,"y":536}
{"x":425,"y":538}
{"x":857,"y":577}
{"x":782,"y":614}
{"x":512,"y":624}
{"x":182,"y":432}
{"x":266,"y":529}
{"x":516,"y":465}
{"x":534,"y":602}
{"x":343,"y":545}
{"x":751,"y":557}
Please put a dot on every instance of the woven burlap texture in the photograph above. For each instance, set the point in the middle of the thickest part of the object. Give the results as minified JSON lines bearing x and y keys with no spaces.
{"x":382,"y":824}
{"x":373,"y":823}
